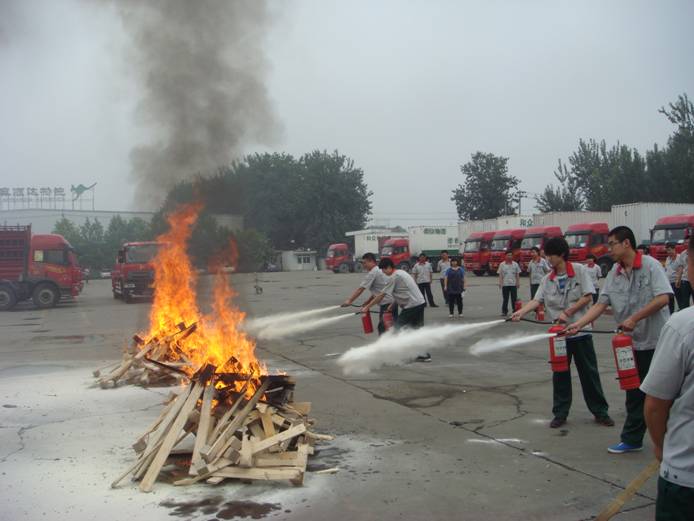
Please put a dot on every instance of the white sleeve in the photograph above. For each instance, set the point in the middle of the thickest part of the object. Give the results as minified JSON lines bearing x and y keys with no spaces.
{"x":667,"y":371}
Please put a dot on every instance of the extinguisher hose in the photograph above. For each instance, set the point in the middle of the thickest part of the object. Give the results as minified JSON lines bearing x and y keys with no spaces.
{"x":359,"y":312}
{"x":598,"y":331}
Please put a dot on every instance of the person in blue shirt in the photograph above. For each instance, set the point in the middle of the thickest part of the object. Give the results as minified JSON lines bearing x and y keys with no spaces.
{"x":454,"y":286}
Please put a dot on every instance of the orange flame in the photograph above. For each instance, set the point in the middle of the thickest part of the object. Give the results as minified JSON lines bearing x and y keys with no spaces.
{"x":217,"y":338}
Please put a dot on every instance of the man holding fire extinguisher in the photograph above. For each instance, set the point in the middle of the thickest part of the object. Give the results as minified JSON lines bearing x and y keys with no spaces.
{"x":638,"y":291}
{"x":374,"y":281}
{"x":565,"y":292}
{"x":669,"y":412}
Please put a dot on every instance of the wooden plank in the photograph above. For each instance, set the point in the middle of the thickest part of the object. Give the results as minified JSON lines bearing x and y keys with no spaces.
{"x":268,"y":425}
{"x":163,"y":453}
{"x":319,"y":437}
{"x":227,"y":415}
{"x":210,"y":453}
{"x":277,"y":438}
{"x":288,"y":473}
{"x":282,"y":459}
{"x":164,"y":425}
{"x":203,"y":428}
{"x":616,"y":505}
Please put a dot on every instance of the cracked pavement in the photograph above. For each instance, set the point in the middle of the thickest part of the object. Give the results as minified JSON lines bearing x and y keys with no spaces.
{"x":462,"y":437}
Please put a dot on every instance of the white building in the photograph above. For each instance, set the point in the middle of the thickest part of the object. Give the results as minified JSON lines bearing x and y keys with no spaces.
{"x":298,"y":260}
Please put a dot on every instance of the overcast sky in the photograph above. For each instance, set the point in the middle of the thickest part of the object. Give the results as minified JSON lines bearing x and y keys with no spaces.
{"x":409,"y":90}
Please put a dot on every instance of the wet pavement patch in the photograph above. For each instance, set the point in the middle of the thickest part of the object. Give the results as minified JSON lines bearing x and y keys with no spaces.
{"x":216,"y":506}
{"x":326,"y":458}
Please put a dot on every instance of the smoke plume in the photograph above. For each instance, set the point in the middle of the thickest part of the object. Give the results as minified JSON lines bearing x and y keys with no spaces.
{"x":202,"y":69}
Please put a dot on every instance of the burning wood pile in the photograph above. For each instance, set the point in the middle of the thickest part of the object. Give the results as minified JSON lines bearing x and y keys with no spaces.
{"x":255,"y":432}
{"x":143,"y":362}
{"x":233,"y":420}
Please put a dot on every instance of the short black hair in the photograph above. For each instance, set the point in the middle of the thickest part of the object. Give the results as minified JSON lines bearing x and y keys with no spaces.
{"x":557,"y":246}
{"x":386,"y":263}
{"x":643,"y":247}
{"x":444,"y":251}
{"x":535,"y":249}
{"x":591,"y":256}
{"x":670,"y":246}
{"x":690,"y":248}
{"x":369,"y":256}
{"x":622,"y":233}
{"x":456,"y":259}
{"x":508,"y":251}
{"x":422,"y":255}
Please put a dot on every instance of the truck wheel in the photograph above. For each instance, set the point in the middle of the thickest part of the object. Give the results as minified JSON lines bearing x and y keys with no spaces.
{"x":404,"y":266}
{"x":7,"y":298}
{"x":492,"y":273}
{"x":358,"y":268}
{"x":479,"y":273}
{"x":344,"y":268}
{"x":45,"y":296}
{"x":127,"y":297}
{"x":605,"y":266}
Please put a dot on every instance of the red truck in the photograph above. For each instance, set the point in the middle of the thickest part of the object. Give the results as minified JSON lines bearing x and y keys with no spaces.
{"x":133,"y":273}
{"x":536,"y":236}
{"x":340,"y":259}
{"x":42,"y":268}
{"x":585,"y":238}
{"x":398,"y":250}
{"x":503,"y":241}
{"x":674,"y":228}
{"x":476,"y":252}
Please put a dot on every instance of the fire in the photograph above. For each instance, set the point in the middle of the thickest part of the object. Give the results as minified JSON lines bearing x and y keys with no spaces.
{"x":217,"y":338}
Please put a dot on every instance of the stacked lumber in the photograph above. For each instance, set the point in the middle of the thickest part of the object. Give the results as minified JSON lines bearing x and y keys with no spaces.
{"x":245,"y":438}
{"x":154,"y":362}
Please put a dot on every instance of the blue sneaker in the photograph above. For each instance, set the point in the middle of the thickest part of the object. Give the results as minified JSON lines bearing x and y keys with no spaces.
{"x":622,"y":447}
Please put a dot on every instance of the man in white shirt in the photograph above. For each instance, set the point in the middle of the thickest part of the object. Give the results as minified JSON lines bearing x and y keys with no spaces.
{"x":509,"y":282}
{"x":443,"y":266}
{"x":537,"y":269}
{"x":671,"y":273}
{"x":422,"y":273}
{"x":595,"y":272}
{"x":669,"y":412}
{"x":682,"y":280}
{"x":374,"y":281}
{"x":405,"y":293}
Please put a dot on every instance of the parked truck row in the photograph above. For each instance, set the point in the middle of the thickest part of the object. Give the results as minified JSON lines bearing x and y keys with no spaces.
{"x":483,"y":251}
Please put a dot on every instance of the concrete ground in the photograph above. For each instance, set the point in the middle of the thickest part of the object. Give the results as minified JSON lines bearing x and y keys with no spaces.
{"x":463,"y":437}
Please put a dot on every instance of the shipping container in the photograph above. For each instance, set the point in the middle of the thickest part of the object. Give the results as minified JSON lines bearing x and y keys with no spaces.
{"x":371,"y":240}
{"x":566,"y":219}
{"x":433,"y":238}
{"x":641,"y":217}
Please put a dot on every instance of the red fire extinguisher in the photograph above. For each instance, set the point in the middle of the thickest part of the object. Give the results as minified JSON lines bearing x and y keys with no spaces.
{"x":387,"y":320}
{"x":519,"y":304}
{"x":558,"y":358}
{"x":627,"y":372}
{"x":540,"y":313}
{"x":366,"y":322}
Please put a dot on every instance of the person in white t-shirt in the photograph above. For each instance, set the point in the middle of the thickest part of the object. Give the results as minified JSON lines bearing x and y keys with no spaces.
{"x":509,"y":282}
{"x":595,"y":272}
{"x":423,"y":273}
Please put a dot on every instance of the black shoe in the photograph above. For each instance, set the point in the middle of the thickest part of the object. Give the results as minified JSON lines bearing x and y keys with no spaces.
{"x":604,"y":420}
{"x":423,"y":358}
{"x":557,"y":422}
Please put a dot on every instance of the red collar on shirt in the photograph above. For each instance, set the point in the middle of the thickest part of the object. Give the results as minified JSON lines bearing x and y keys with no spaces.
{"x":569,"y":271}
{"x":638,"y":262}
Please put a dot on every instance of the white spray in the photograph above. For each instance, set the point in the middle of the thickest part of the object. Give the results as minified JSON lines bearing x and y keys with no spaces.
{"x":489,"y":345}
{"x":284,"y":329}
{"x":398,"y":347}
{"x":255,"y":326}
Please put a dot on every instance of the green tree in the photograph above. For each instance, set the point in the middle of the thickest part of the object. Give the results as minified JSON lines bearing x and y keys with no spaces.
{"x":69,"y":230}
{"x":679,"y":154}
{"x":489,"y":191}
{"x":564,"y":198}
{"x":306,"y":202}
{"x":254,"y":250}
